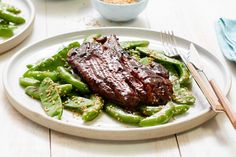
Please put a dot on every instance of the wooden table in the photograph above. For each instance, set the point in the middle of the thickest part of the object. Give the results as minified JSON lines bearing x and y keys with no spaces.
{"x":191,"y":19}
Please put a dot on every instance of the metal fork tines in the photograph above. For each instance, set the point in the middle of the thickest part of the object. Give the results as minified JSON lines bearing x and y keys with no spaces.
{"x":170,"y":45}
{"x":171,"y":49}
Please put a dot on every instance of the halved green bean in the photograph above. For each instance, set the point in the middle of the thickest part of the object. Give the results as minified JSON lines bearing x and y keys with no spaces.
{"x":11,"y":17}
{"x":50,"y":98}
{"x":183,"y":96}
{"x":64,"y":89}
{"x":133,"y":44}
{"x":91,"y":37}
{"x":53,"y":62}
{"x":150,"y":110}
{"x":69,"y":78}
{"x":181,"y":109}
{"x":119,"y":114}
{"x":160,"y":117}
{"x":25,"y":81}
{"x":40,"y":75}
{"x":93,"y":111}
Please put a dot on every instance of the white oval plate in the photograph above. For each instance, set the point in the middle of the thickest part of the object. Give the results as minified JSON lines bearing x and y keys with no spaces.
{"x":28,"y":12}
{"x":103,"y":127}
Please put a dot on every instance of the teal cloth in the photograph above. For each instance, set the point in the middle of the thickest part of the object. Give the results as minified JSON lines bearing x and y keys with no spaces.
{"x":226,"y":35}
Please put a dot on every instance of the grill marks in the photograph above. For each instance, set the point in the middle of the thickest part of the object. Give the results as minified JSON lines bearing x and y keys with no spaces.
{"x":111,"y":72}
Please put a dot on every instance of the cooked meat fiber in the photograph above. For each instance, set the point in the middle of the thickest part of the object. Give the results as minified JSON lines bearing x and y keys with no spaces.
{"x":118,"y":77}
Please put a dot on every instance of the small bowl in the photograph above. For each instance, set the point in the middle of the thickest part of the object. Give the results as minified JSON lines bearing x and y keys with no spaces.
{"x":119,"y":12}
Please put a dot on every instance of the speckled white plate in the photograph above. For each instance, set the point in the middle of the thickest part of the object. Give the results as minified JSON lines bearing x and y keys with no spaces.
{"x":103,"y":127}
{"x":22,"y":31}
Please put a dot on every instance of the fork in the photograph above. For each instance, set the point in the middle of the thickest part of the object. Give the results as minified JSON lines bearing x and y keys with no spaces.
{"x":211,"y":91}
{"x":169,"y":42}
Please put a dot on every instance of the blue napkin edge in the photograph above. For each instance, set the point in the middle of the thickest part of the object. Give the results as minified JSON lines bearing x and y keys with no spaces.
{"x":225,"y":47}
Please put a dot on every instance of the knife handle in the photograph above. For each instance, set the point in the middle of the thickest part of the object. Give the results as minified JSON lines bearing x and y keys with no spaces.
{"x":205,"y":88}
{"x":225,"y":103}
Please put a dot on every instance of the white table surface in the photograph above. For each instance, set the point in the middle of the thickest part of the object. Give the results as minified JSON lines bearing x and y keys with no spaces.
{"x":191,"y":19}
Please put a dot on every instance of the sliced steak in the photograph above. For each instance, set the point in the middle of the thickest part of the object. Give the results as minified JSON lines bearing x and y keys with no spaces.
{"x":111,"y":72}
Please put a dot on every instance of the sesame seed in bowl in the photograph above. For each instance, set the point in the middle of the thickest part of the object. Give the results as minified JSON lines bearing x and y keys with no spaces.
{"x":119,"y":10}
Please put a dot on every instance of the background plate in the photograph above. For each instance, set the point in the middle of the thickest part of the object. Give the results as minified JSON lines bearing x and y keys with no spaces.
{"x":28,"y":12}
{"x":104,"y":127}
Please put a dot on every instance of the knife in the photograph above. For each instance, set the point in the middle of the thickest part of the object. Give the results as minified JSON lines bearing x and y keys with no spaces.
{"x":195,"y":67}
{"x":210,"y":89}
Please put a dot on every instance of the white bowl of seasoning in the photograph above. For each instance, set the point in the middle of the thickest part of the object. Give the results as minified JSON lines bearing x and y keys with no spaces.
{"x":119,"y":10}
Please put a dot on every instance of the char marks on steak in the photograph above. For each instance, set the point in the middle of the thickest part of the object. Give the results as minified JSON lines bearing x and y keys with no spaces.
{"x":118,"y":77}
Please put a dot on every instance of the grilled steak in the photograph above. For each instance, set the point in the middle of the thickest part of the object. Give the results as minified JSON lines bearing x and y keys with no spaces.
{"x":118,"y":77}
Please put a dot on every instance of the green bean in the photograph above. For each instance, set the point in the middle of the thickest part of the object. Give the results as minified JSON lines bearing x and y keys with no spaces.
{"x":119,"y":114}
{"x":69,"y":78}
{"x":133,"y":44}
{"x":9,"y":8}
{"x":25,"y":81}
{"x":160,"y":117}
{"x":91,"y":38}
{"x":161,"y":58}
{"x":11,"y":17}
{"x":50,"y":98}
{"x":183,"y":96}
{"x":146,"y":60}
{"x":53,"y":62}
{"x":135,"y":54}
{"x":6,"y":31}
{"x":40,"y":75}
{"x":79,"y":103}
{"x":93,"y":111}
{"x":181,"y":109}
{"x":33,"y":92}
{"x":3,"y":22}
{"x":150,"y":110}
{"x":64,"y":89}
{"x":29,"y":66}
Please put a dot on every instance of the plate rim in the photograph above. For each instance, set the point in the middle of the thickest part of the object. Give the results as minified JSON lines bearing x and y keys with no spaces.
{"x":57,"y":122}
{"x":23,"y":33}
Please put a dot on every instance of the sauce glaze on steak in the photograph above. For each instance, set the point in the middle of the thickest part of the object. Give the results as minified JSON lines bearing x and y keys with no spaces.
{"x":118,"y":77}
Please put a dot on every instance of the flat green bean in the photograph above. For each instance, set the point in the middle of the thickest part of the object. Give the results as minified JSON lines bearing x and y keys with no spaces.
{"x":50,"y":98}
{"x":78,"y":103}
{"x":33,"y":91}
{"x":6,"y":31}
